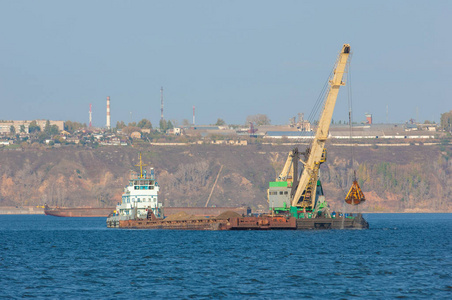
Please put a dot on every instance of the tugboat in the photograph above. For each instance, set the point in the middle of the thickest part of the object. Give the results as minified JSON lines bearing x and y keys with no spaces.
{"x":140,"y":198}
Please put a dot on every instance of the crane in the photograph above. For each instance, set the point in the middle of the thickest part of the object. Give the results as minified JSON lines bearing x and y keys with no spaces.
{"x":289,"y":192}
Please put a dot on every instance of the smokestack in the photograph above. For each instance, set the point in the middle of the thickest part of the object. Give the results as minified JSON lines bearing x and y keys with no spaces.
{"x":161,"y":105}
{"x":108,"y":113}
{"x":193,"y":115}
{"x":368,"y":118}
{"x":90,"y":115}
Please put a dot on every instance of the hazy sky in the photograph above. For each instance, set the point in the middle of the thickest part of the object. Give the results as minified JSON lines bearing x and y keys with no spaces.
{"x":228,"y":58}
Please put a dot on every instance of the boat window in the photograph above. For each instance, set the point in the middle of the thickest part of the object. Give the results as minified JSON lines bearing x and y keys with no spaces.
{"x":151,"y":187}
{"x":281,"y":193}
{"x":285,"y":193}
{"x":138,"y":200}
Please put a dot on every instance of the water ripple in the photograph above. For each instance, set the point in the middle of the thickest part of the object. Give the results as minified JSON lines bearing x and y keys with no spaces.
{"x":401,"y":256}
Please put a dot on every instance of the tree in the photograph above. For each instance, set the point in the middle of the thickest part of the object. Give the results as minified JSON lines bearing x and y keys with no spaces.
{"x":33,"y":127}
{"x":120,"y":125}
{"x":446,"y":121}
{"x":185,"y":122}
{"x":163,"y":125}
{"x":47,"y":127}
{"x":42,"y":136}
{"x":259,"y":119}
{"x":129,"y":129}
{"x":145,"y":124}
{"x":71,"y":126}
{"x":12,"y":130}
{"x":22,"y":128}
{"x":53,"y":130}
{"x":220,"y":122}
{"x":169,"y":125}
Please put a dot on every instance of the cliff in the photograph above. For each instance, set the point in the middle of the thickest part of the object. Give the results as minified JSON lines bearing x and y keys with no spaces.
{"x":394,"y":179}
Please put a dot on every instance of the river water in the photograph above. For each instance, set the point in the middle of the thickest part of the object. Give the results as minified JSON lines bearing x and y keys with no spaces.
{"x":400,"y":256}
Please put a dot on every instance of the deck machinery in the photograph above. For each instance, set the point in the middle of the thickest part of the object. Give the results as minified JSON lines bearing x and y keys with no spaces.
{"x":301,"y":196}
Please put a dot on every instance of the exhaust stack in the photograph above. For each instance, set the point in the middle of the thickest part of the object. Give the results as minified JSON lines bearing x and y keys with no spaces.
{"x":108,"y":125}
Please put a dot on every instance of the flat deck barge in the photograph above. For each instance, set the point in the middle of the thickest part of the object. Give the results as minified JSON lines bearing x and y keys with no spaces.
{"x":352,"y":221}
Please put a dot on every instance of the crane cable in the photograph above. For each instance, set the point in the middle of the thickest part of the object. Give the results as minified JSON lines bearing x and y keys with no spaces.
{"x":350,"y":119}
{"x":350,"y":115}
{"x":321,"y":101}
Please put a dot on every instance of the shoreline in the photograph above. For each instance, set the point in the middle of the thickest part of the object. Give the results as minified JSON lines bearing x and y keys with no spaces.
{"x":33,"y":210}
{"x":26,"y":210}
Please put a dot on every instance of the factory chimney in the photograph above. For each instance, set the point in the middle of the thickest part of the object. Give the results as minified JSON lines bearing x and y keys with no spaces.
{"x":108,"y":114}
{"x":368,"y":118}
{"x":90,"y":116}
{"x":161,"y":104}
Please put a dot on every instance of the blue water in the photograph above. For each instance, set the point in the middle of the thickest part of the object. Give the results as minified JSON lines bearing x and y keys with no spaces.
{"x":402,"y":255}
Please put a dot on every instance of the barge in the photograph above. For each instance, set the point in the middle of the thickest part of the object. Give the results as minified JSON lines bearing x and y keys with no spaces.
{"x":243,"y":223}
{"x":77,"y":211}
{"x":88,"y":212}
{"x":140,"y":208}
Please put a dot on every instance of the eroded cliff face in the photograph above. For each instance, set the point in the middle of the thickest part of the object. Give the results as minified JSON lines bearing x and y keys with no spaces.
{"x":394,"y":179}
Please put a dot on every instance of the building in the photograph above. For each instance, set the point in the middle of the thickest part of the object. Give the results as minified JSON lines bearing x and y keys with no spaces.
{"x":289,"y":134}
{"x":5,"y":126}
{"x":136,"y":135}
{"x":145,"y":130}
{"x":175,"y":131}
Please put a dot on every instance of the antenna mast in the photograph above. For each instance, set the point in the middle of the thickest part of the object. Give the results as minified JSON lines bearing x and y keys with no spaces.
{"x":90,"y":115}
{"x":141,"y":165}
{"x":161,"y":105}
{"x":193,"y":115}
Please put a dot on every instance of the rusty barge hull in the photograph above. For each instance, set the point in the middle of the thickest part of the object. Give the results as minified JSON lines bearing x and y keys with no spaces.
{"x":174,"y":225}
{"x":79,"y":212}
{"x":246,"y":223}
{"x":105,"y":212}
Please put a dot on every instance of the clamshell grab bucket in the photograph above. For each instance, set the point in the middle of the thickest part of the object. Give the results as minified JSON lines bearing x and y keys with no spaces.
{"x":355,"y":195}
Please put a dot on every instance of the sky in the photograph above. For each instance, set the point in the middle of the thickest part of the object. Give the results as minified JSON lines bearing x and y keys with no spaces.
{"x":229,"y":59}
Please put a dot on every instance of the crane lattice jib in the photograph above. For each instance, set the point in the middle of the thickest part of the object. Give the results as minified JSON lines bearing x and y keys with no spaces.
{"x":306,"y":191}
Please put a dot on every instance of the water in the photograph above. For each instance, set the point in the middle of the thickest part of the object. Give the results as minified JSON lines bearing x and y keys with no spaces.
{"x":402,"y":255}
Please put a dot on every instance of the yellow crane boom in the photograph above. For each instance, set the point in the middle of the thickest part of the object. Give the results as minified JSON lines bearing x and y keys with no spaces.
{"x":305,"y":194}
